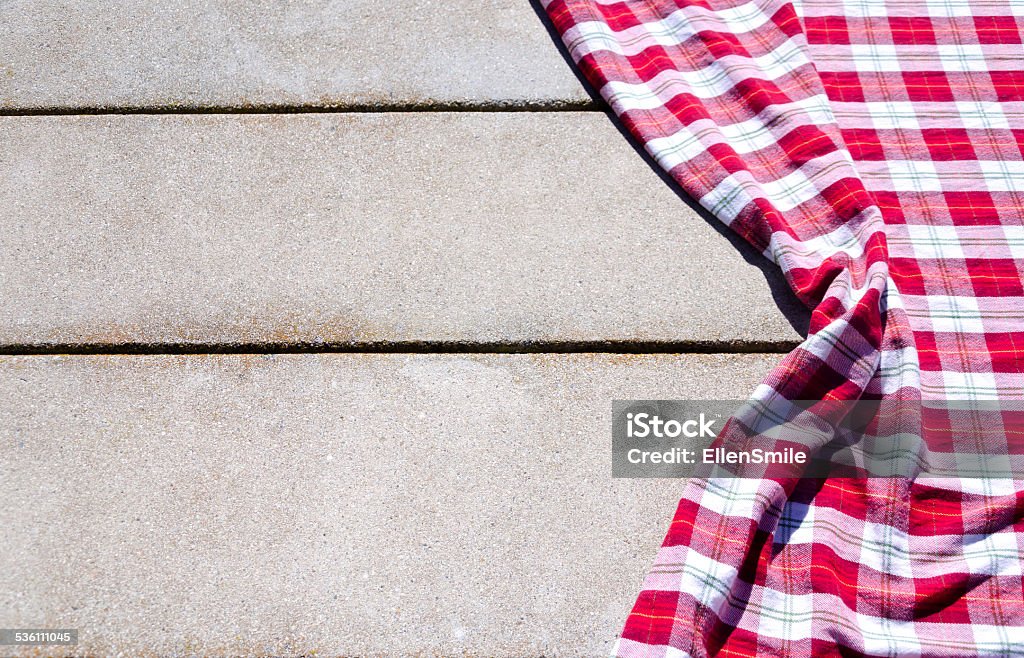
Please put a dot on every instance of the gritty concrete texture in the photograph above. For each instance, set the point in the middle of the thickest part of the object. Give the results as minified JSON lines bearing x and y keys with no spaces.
{"x":355,"y":228}
{"x":338,"y":504}
{"x":200,"y":53}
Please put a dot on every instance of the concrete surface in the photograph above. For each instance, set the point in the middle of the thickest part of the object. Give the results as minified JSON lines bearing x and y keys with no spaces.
{"x":343,"y":53}
{"x":356,"y":228}
{"x":342,"y":504}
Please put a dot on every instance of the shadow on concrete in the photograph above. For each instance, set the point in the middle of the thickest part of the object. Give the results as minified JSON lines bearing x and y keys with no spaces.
{"x":791,"y":308}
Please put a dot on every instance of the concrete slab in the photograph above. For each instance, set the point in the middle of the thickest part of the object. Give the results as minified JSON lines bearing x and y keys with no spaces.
{"x":358,"y":228}
{"x":331,"y":504}
{"x":344,"y":53}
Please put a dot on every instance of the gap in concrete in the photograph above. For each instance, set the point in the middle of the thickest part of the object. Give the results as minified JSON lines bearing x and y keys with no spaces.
{"x":407,"y":347}
{"x":354,"y":108}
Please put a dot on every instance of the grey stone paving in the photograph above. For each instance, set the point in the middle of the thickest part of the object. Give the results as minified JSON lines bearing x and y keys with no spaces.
{"x":347,"y":504}
{"x":344,"y":53}
{"x":335,"y":504}
{"x":355,"y":228}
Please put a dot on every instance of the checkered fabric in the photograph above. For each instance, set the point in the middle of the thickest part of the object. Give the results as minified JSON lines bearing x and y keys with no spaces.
{"x":873,"y":150}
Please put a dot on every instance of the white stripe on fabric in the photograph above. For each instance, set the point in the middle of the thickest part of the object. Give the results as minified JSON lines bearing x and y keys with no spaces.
{"x":743,"y":137}
{"x":630,"y":649}
{"x":728,"y":199}
{"x":716,"y":79}
{"x":811,"y":252}
{"x":594,"y":36}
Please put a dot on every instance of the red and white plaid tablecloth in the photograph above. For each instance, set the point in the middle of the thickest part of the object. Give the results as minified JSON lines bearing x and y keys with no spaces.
{"x":873,"y":150}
